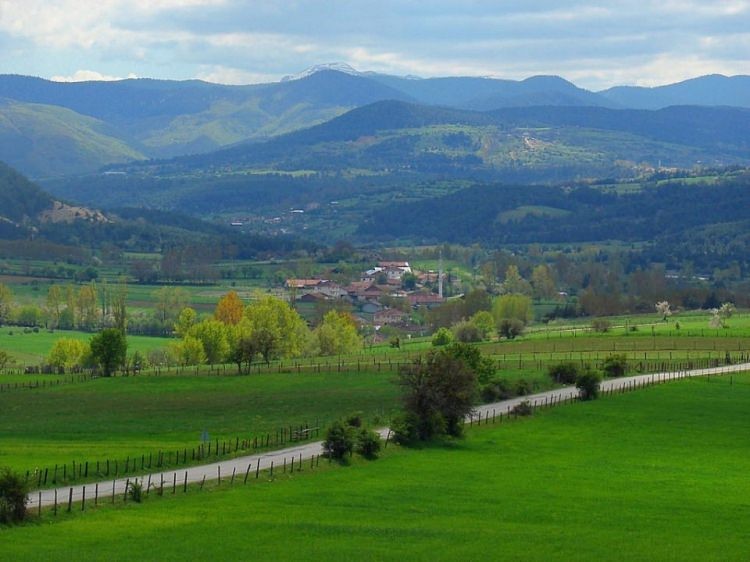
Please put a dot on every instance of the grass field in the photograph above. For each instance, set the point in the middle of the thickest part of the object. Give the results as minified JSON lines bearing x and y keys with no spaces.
{"x":131,"y":416}
{"x":658,"y":474}
{"x":31,"y":348}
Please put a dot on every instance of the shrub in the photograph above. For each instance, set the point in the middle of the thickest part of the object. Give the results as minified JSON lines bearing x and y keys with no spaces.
{"x":510,"y":328}
{"x":601,"y":325}
{"x":354,"y":419}
{"x":467,"y":332}
{"x":523,"y":387}
{"x":135,"y":491}
{"x":495,"y":390}
{"x":404,"y":429}
{"x":615,"y":365}
{"x":522,"y":409}
{"x":442,"y":337}
{"x":13,"y":491}
{"x":368,"y":443}
{"x":587,"y":383}
{"x":563,"y":373}
{"x":338,"y":441}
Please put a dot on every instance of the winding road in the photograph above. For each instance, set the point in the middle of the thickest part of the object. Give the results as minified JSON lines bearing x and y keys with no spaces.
{"x":249,"y":466}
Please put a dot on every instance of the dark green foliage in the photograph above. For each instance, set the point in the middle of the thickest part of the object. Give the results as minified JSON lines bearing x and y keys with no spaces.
{"x":339,"y":440}
{"x":13,"y":491}
{"x":439,"y":391}
{"x":523,"y":387}
{"x":522,"y":409}
{"x":108,"y":350}
{"x":615,"y":365}
{"x":135,"y":491}
{"x":354,"y":419}
{"x":587,"y":383}
{"x":563,"y":373}
{"x":510,"y":328}
{"x":442,"y":337}
{"x":368,"y":443}
{"x":601,"y":325}
{"x":467,"y":332}
{"x":495,"y":390}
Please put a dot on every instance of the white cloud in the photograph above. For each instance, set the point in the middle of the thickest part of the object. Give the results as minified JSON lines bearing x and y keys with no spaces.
{"x":234,"y":76}
{"x":88,"y":76}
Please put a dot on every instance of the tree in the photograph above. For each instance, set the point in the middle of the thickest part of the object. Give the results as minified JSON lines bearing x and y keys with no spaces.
{"x":108,"y":350}
{"x":6,"y":302}
{"x":54,"y":305}
{"x":514,"y":283}
{"x":213,"y":336}
{"x":188,"y":351}
{"x":119,"y":311}
{"x":663,"y":309}
{"x":438,"y":392}
{"x":510,"y":328}
{"x":339,"y":440}
{"x":466,"y":332}
{"x":615,"y":365}
{"x":185,"y":321}
{"x":543,"y":283}
{"x":587,"y":383}
{"x":563,"y":373}
{"x":229,"y":309}
{"x":338,"y":334}
{"x":442,"y":337}
{"x":512,"y":306}
{"x":368,"y":443}
{"x":243,"y":352}
{"x":169,"y":302}
{"x":86,"y":304}
{"x":277,"y":328}
{"x":5,"y":359}
{"x":67,"y":353}
{"x":719,"y":316}
{"x":485,"y":323}
{"x":13,"y":492}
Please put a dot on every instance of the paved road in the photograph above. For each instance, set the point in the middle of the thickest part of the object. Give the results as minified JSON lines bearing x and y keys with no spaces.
{"x":249,"y":464}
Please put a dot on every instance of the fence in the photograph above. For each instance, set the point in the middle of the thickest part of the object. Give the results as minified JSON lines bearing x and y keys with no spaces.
{"x":84,"y":470}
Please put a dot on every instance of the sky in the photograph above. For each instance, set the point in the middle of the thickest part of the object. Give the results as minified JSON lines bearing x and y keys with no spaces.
{"x":593,"y":44}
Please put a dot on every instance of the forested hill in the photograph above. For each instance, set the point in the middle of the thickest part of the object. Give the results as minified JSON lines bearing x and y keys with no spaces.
{"x":707,"y":223}
{"x":394,"y":134}
{"x":20,"y":199}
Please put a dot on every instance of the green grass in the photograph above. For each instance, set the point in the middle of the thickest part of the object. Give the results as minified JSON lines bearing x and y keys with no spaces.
{"x":32,"y":348}
{"x":658,"y":474}
{"x":131,"y":416}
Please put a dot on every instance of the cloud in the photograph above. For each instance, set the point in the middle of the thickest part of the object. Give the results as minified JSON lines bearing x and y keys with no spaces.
{"x":597,"y":44}
{"x":88,"y":76}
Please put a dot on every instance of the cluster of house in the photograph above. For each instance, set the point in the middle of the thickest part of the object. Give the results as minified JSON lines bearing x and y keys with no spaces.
{"x":368,"y":294}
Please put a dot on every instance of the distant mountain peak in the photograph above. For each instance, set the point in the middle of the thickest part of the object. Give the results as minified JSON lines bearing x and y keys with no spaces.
{"x":337,"y":66}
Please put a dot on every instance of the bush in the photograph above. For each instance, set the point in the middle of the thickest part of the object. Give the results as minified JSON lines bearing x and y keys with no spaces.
{"x":510,"y":328}
{"x":354,"y":419}
{"x":563,"y":373}
{"x":495,"y":390}
{"x":615,"y":365}
{"x":442,"y":337}
{"x":368,"y":443}
{"x":601,"y":325}
{"x":522,"y":409}
{"x":523,"y":387}
{"x":339,"y":440}
{"x":587,"y":383}
{"x":13,"y":491}
{"x":404,"y":429}
{"x":467,"y":332}
{"x":135,"y":491}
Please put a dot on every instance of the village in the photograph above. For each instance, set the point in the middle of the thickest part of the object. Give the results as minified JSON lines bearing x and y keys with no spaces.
{"x":389,"y":298}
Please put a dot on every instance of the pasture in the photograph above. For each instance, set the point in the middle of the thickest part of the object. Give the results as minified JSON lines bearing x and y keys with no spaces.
{"x":657,"y":474}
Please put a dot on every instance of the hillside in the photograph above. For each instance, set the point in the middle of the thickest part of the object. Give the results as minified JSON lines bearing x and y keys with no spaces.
{"x":52,"y":129}
{"x":714,"y":89}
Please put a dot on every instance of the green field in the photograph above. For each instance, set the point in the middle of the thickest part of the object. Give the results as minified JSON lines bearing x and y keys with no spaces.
{"x":31,"y":348}
{"x":130,"y":416}
{"x":658,"y":474}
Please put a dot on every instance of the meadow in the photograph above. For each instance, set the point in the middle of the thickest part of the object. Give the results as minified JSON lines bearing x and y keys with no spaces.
{"x":657,"y":474}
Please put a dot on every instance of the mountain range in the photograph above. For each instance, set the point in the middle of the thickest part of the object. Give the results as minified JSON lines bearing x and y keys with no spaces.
{"x":50,"y":129}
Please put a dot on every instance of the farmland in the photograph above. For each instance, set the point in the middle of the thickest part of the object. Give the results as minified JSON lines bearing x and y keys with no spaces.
{"x":628,"y":477}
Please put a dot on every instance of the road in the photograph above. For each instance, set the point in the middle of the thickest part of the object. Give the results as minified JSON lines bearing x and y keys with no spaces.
{"x":293,"y":456}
